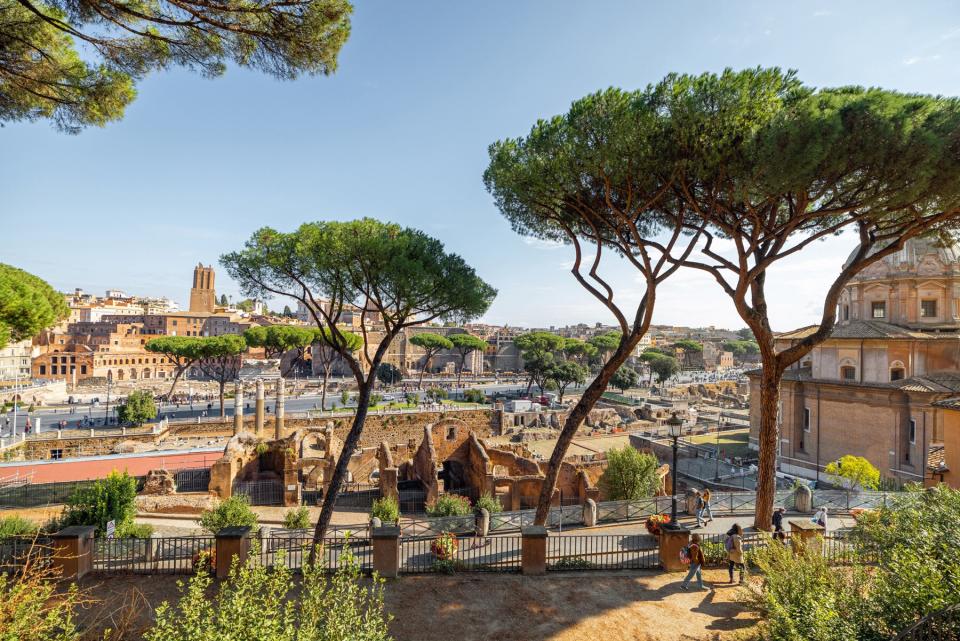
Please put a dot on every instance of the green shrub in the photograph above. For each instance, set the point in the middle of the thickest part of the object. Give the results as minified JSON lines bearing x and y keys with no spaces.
{"x":34,"y":608}
{"x":630,"y":474}
{"x":374,"y":400}
{"x":262,"y":448}
{"x":17,"y":526}
{"x":134,"y":531}
{"x":450,"y":505}
{"x":260,"y":603}
{"x":490,"y":503}
{"x":138,"y":408}
{"x":233,"y":512}
{"x":110,"y":499}
{"x":572,"y":563}
{"x":297,"y":519}
{"x":386,"y":509}
{"x":474,"y":396}
{"x":714,"y":553}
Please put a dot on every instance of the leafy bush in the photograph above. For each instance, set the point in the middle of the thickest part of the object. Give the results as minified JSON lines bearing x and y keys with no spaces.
{"x":386,"y":509}
{"x":436,"y":393}
{"x":297,"y":519}
{"x":474,"y":396}
{"x":450,"y":505}
{"x":260,"y":603}
{"x":138,"y":408}
{"x":903,"y":566}
{"x":572,"y":563}
{"x":490,"y":503}
{"x":233,"y":512}
{"x":445,"y":546}
{"x":630,"y":474}
{"x":854,"y":473}
{"x":17,"y":526}
{"x":110,"y":499}
{"x":32,"y":607}
{"x":714,"y":553}
{"x":374,"y":400}
{"x":261,"y":448}
{"x":133,"y":530}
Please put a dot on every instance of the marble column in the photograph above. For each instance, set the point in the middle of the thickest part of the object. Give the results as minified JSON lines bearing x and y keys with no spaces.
{"x":238,"y":408}
{"x":278,"y":414}
{"x":260,"y":407}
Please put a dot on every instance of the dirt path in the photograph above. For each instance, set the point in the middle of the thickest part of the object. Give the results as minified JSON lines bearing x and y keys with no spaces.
{"x":623,"y":606}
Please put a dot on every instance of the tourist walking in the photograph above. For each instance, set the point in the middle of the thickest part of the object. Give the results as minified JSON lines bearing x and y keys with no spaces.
{"x":820,"y":517}
{"x":734,"y":546}
{"x":697,"y":561}
{"x":707,"y":509}
{"x":778,"y":519}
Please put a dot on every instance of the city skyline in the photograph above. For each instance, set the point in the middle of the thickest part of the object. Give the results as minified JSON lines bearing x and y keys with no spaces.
{"x":400,"y":133}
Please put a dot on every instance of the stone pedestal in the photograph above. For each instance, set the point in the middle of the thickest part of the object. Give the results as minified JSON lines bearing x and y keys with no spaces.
{"x":803,"y":536}
{"x":690,"y":502}
{"x":534,"y":551}
{"x":803,"y":499}
{"x":482,"y":522}
{"x":672,"y":540}
{"x":386,"y":551}
{"x":73,"y":551}
{"x":589,"y":513}
{"x":279,"y":414}
{"x":260,"y":407}
{"x":233,"y":545}
{"x":238,"y":408}
{"x":389,"y":483}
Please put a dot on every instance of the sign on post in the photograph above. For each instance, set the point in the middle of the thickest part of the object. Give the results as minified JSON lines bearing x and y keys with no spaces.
{"x":111,"y":529}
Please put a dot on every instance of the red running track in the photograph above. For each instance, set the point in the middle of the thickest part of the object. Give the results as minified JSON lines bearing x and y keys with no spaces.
{"x":96,"y":467}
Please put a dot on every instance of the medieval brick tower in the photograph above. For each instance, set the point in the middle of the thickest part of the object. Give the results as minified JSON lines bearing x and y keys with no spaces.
{"x":203,"y":297}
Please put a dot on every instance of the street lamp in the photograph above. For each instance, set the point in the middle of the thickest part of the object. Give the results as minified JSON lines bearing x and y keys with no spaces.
{"x":716,"y":475}
{"x":674,"y":428}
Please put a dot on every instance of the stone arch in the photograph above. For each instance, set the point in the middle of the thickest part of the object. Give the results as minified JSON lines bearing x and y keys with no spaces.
{"x":133,"y":374}
{"x":119,"y":374}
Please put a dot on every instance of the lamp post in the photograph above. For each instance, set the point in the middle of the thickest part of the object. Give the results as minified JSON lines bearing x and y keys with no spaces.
{"x":716,"y":475}
{"x":675,"y":428}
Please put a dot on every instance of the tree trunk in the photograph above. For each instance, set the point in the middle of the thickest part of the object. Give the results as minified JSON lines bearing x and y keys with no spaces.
{"x":422,"y":370}
{"x":340,"y":471}
{"x":590,"y":397}
{"x":768,"y":436}
{"x":323,"y":391}
{"x":223,"y":411}
{"x":463,"y":359}
{"x":176,"y":377}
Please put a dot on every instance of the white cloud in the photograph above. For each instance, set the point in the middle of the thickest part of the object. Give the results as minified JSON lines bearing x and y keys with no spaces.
{"x":916,"y":59}
{"x":539,"y":243}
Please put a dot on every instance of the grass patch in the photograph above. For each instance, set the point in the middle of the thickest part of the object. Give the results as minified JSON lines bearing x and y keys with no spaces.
{"x":732,"y":442}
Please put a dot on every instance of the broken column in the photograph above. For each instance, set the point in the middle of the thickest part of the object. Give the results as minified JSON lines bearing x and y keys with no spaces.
{"x":278,"y":415}
{"x":238,"y":409}
{"x":260,"y":407}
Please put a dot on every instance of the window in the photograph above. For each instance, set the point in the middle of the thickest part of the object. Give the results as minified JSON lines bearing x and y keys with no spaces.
{"x":56,"y":455}
{"x":896,"y":374}
{"x":451,"y":433}
{"x":806,"y":419}
{"x":928,"y":309}
{"x":43,"y":370}
{"x":846,"y":312}
{"x":848,"y":373}
{"x":879,"y":309}
{"x":83,"y":369}
{"x":913,"y":432}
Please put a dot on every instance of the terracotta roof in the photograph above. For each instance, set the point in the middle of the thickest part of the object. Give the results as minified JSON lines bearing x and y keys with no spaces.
{"x":952,"y":403}
{"x":934,"y":382}
{"x":936,"y":461}
{"x":866,"y":329}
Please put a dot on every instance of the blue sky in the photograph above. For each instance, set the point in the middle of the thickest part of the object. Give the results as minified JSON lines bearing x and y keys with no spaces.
{"x":400,"y":133}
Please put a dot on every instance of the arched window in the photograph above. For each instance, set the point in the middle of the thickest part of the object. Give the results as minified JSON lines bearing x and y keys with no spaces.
{"x":897,"y":371}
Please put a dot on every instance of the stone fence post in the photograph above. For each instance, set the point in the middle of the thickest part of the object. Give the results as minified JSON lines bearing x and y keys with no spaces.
{"x":803,"y":499}
{"x":482,"y":522}
{"x":73,"y":551}
{"x":386,"y":551}
{"x":803,"y":536}
{"x":589,"y":513}
{"x":533,"y":558}
{"x":672,"y":540}
{"x":233,"y":545}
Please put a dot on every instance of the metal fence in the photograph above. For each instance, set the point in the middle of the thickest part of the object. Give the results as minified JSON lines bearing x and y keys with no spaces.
{"x":166,"y":555}
{"x":267,"y":492}
{"x":294,"y":552}
{"x":43,"y":494}
{"x":472,"y":554}
{"x":16,"y":551}
{"x":602,"y":552}
{"x":613,"y":511}
{"x":943,"y":625}
{"x":193,"y":480}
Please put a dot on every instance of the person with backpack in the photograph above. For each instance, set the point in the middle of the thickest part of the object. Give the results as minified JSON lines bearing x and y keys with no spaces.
{"x":734,"y":547}
{"x":778,"y":519}
{"x":694,"y":556}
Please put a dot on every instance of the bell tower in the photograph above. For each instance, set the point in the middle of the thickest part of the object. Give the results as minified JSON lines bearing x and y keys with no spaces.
{"x":203,"y":297}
